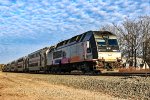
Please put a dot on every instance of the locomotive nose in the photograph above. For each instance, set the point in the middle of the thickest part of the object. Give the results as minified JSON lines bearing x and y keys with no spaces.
{"x":110,"y":56}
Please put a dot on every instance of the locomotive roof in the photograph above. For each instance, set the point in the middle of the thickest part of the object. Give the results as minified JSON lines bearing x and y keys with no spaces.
{"x":82,"y":37}
{"x":103,"y":32}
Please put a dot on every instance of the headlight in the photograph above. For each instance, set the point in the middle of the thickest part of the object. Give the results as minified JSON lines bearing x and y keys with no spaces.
{"x":108,"y":48}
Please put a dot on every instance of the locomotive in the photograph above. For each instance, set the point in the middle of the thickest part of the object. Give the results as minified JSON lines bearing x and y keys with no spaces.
{"x":92,"y":51}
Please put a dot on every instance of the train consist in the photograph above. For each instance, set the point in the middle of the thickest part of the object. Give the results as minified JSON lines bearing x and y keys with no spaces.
{"x":92,"y":51}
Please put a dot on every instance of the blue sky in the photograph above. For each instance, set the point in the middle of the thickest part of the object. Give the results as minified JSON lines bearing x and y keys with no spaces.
{"x":28,"y":25}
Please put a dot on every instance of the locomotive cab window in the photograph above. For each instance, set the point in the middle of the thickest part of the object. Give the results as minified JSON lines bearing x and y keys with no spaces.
{"x":88,"y":47}
{"x":101,"y":42}
{"x":112,"y":42}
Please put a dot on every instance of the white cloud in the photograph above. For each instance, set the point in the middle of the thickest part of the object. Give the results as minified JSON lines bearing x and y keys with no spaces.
{"x":45,"y":20}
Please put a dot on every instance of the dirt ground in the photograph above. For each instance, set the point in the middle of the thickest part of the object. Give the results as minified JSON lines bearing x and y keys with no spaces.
{"x":18,"y":86}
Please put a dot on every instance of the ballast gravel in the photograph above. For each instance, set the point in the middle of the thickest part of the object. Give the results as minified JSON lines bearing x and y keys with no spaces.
{"x":123,"y":87}
{"x":127,"y":87}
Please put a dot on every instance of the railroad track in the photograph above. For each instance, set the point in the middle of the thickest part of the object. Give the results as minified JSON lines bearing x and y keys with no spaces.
{"x":125,"y":74}
{"x":102,"y":74}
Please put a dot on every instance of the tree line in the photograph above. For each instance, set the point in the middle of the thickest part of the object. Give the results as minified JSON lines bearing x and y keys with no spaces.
{"x":133,"y":37}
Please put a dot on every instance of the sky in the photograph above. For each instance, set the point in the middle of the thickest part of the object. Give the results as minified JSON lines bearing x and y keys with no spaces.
{"x":28,"y":25}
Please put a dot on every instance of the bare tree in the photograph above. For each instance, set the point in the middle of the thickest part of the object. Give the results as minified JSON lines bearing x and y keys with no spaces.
{"x":145,"y":26}
{"x":133,"y":37}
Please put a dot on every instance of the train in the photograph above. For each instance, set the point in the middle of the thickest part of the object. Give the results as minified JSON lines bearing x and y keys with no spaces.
{"x":91,"y":51}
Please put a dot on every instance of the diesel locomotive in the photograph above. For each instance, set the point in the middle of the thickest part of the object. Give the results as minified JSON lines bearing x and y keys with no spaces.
{"x":92,"y":51}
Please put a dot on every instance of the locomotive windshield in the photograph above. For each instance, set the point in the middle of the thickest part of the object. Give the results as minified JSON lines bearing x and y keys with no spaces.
{"x":108,"y":42}
{"x":107,"y":45}
{"x":101,"y":42}
{"x":112,"y":42}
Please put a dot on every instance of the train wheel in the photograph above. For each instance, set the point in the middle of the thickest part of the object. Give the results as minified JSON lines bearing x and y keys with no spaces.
{"x":85,"y":68}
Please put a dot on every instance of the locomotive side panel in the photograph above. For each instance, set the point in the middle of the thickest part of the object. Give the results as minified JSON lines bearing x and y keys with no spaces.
{"x":80,"y":50}
{"x":65,"y":55}
{"x":74,"y":57}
